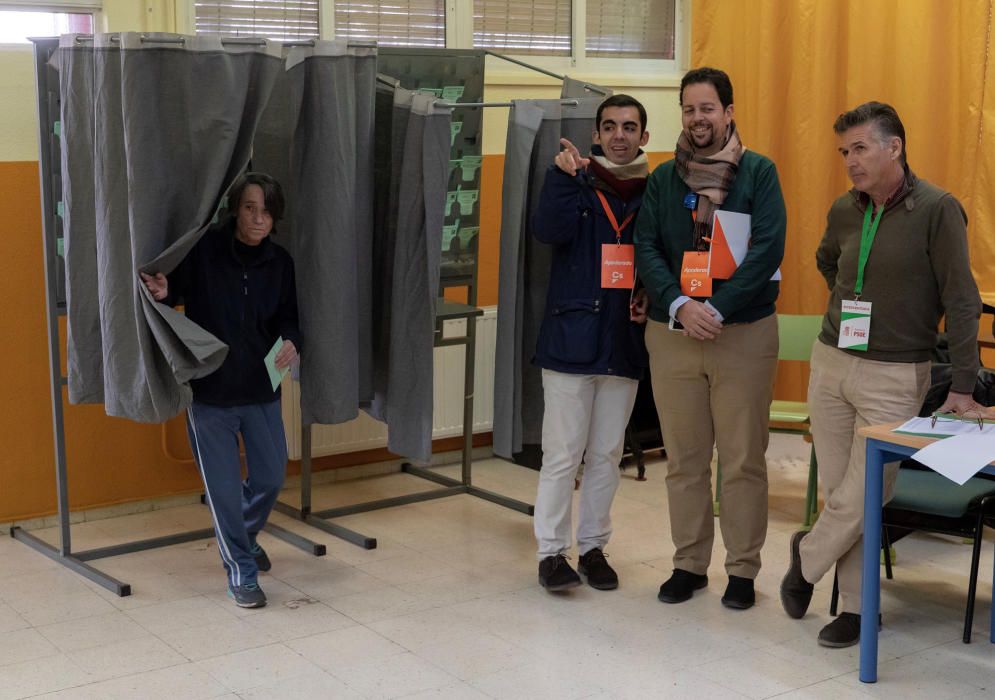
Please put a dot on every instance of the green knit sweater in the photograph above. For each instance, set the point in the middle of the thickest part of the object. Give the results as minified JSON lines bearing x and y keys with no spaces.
{"x":664,"y":231}
{"x":918,"y":270}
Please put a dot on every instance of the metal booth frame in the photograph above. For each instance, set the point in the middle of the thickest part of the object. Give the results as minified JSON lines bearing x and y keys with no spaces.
{"x":77,"y":561}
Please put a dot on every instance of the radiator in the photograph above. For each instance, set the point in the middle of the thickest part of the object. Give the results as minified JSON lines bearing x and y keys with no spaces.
{"x":364,"y":433}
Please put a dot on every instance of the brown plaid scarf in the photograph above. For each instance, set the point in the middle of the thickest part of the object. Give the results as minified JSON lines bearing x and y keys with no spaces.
{"x":708,"y":176}
{"x":626,"y":181}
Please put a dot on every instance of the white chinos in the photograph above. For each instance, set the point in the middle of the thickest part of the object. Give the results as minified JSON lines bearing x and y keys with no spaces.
{"x":585,"y":418}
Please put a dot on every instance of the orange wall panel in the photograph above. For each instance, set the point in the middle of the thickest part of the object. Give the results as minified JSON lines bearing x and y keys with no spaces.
{"x":27,"y":479}
{"x":110,"y":460}
{"x":491,"y":183}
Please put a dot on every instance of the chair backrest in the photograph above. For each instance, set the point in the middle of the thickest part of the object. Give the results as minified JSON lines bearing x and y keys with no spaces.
{"x":796,"y":334}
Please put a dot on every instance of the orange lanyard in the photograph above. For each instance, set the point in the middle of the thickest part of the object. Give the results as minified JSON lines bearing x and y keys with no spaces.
{"x":611,"y":217}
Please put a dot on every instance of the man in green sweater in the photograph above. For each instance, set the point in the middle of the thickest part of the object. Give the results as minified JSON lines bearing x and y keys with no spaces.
{"x":713,"y":370}
{"x":895,"y":258}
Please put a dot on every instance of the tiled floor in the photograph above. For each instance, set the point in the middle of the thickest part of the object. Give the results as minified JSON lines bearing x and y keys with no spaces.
{"x":448,"y":607}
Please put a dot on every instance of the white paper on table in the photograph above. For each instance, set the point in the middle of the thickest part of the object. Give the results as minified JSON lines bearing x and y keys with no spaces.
{"x":943,"y":428}
{"x":960,"y":457}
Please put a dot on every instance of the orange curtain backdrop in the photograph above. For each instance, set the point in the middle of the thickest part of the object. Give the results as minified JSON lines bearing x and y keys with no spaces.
{"x":795,"y":66}
{"x":981,"y":228}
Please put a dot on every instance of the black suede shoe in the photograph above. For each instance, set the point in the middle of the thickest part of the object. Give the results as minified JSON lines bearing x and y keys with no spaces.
{"x":842,"y":632}
{"x":739,"y":593}
{"x":595,"y":568}
{"x":262,"y":560}
{"x":796,"y":592}
{"x":555,"y":574}
{"x":681,"y":586}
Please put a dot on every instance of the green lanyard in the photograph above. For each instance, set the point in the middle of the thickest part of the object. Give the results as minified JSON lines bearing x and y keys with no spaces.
{"x":866,"y":240}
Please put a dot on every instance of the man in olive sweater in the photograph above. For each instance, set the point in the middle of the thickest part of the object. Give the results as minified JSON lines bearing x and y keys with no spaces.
{"x":712,"y":376}
{"x":894,"y":255}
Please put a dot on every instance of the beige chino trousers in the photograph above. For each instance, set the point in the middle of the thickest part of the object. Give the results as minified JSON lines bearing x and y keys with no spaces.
{"x":845,"y":393}
{"x":716,"y":393}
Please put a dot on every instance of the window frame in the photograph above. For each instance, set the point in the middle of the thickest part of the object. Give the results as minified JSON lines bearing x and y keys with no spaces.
{"x":459,"y":35}
{"x":636,"y":70}
{"x":94,"y":8}
{"x":657,"y":61}
{"x":88,"y":7}
{"x":326,"y":23}
{"x":186,"y":17}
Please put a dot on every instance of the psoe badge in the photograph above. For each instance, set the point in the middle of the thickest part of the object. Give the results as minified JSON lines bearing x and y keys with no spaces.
{"x":855,"y":325}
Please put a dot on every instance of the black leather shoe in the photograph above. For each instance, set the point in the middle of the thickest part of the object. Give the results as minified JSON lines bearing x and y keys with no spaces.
{"x":739,"y":593}
{"x":595,"y":568}
{"x":555,"y":574}
{"x":681,"y":586}
{"x":796,"y":592}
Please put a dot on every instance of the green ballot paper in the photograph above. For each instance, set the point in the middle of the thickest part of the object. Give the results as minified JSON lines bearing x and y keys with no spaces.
{"x":275,"y":375}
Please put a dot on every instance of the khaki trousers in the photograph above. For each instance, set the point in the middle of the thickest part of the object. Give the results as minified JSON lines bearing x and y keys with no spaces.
{"x":846,"y":393}
{"x":716,"y":392}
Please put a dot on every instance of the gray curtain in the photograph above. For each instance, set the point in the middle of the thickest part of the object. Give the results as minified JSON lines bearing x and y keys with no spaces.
{"x":412,"y":171}
{"x":84,"y":358}
{"x":316,"y":138}
{"x":192,"y":108}
{"x":389,"y":135}
{"x":535,"y":128}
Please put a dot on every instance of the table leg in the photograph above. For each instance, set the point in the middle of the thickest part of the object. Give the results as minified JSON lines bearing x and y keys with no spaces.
{"x":871,"y":580}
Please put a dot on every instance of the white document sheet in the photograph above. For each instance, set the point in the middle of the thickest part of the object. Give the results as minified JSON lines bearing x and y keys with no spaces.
{"x":960,"y":457}
{"x":737,"y":227}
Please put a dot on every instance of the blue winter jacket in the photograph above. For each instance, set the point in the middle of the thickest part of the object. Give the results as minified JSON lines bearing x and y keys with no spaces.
{"x":585,"y":329}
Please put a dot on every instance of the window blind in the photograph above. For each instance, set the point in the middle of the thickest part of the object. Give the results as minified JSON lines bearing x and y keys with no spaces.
{"x":517,"y":27}
{"x":631,"y":28}
{"x":419,"y":23}
{"x":273,"y":19}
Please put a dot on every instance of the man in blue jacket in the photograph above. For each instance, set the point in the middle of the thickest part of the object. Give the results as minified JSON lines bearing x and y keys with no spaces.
{"x":240,"y":286}
{"x":590,"y":344}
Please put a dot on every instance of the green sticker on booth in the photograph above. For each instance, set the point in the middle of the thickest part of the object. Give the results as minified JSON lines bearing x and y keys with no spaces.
{"x":451,"y":93}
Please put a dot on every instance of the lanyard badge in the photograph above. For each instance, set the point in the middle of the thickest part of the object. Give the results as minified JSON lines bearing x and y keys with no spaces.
{"x":855,"y":315}
{"x":867,"y":233}
{"x":618,"y":260}
{"x":618,"y":266}
{"x":695,"y":281}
